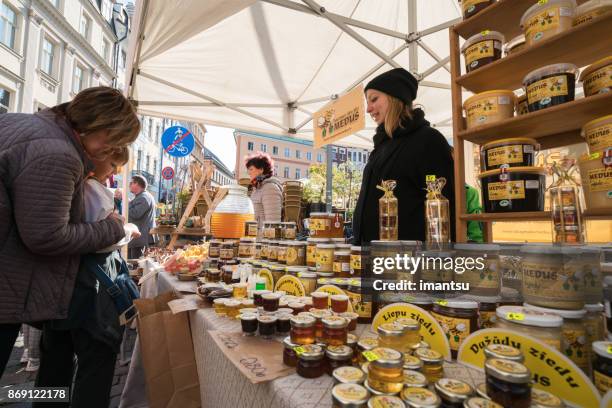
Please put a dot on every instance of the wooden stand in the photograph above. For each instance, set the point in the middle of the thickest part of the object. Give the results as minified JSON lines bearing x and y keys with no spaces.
{"x":200,"y":180}
{"x":552,"y":127}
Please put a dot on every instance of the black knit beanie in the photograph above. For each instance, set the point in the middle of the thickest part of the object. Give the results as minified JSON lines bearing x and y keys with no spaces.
{"x":398,"y":83}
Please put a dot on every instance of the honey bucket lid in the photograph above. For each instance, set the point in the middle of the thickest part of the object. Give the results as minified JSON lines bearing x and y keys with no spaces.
{"x":566,"y":314}
{"x":562,"y":68}
{"x":595,"y":66}
{"x":510,"y":140}
{"x":502,"y":92}
{"x":594,"y":307}
{"x":532,"y":170}
{"x":592,"y":5}
{"x":602,"y":348}
{"x":597,"y":121}
{"x":543,"y":4}
{"x":483,"y":36}
{"x":523,"y":316}
{"x":518,"y":40}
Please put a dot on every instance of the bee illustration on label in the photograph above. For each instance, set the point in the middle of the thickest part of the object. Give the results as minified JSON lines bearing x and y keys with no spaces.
{"x":575,"y":345}
{"x":556,"y":86}
{"x":547,"y":19}
{"x":483,"y":49}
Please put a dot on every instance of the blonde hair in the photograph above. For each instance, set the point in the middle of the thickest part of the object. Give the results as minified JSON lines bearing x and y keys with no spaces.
{"x":396,"y":112}
{"x":121,"y":155}
{"x":102,"y":108}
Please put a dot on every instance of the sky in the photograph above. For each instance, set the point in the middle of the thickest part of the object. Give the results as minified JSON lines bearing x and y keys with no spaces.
{"x":221,"y":142}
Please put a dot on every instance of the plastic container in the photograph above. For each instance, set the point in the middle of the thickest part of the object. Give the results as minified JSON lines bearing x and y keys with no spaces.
{"x":591,"y":10}
{"x":516,"y":189}
{"x":550,"y":86}
{"x":513,"y":152}
{"x":485,"y":280}
{"x":596,"y":175}
{"x":602,"y":366}
{"x":597,"y":77}
{"x":545,"y":327}
{"x":489,"y":107}
{"x":458,"y":318}
{"x":515,"y":45}
{"x":233,"y":211}
{"x":472,"y":7}
{"x":482,"y":49}
{"x":598,"y":133}
{"x":546,"y":19}
{"x":522,"y":107}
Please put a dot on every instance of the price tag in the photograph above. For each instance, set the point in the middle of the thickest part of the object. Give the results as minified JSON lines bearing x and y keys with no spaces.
{"x":485,"y":32}
{"x":442,"y":302}
{"x":540,"y":2}
{"x":299,"y":350}
{"x":610,"y":349}
{"x":370,"y":355}
{"x":430,"y":177}
{"x":515,"y":316}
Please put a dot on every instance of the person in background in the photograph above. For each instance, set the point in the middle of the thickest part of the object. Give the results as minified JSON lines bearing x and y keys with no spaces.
{"x":118,"y":198}
{"x":44,"y":160}
{"x":141,"y":213}
{"x":267,"y":193}
{"x":472,"y":206}
{"x":91,"y":310}
{"x":406,"y":149}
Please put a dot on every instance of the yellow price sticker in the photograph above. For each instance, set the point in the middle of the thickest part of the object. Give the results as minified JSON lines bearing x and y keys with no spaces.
{"x":370,"y":355}
{"x":515,"y":316}
{"x":540,"y":2}
{"x":610,"y":349}
{"x":485,"y":32}
{"x":430,"y":177}
{"x":299,"y":350}
{"x":442,"y":302}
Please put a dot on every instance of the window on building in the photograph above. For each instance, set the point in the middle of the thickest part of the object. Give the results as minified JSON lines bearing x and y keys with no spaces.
{"x":106,"y":50}
{"x":155,"y":167}
{"x":138,"y":160}
{"x":150,"y":135}
{"x":286,"y":172}
{"x":78,"y":77}
{"x":264,"y":148}
{"x":309,"y":156}
{"x":107,"y":10}
{"x":276,"y":169}
{"x":85,"y":26}
{"x":307,"y":173}
{"x":319,"y":157}
{"x":298,"y":154}
{"x":250,"y":146}
{"x":359,"y":156}
{"x":298,"y":174}
{"x":8,"y":25}
{"x":147,"y":162}
{"x":123,"y":58}
{"x":5,"y":99}
{"x":48,"y":56}
{"x":287,"y":152}
{"x":274,"y":149}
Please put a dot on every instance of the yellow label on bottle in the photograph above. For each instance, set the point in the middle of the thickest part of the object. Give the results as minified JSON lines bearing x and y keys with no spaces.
{"x":299,"y":350}
{"x":355,"y":263}
{"x":599,"y":81}
{"x":292,"y":254}
{"x":430,"y":177}
{"x":456,"y":329}
{"x":600,"y":179}
{"x":363,"y":309}
{"x":340,"y":267}
{"x":317,"y":224}
{"x":546,"y":20}
{"x":600,"y":137}
{"x":506,"y":190}
{"x":543,"y":90}
{"x":602,"y":382}
{"x":479,"y":111}
{"x":505,"y":155}
{"x":515,"y":316}
{"x":370,"y":356}
{"x":482,"y":49}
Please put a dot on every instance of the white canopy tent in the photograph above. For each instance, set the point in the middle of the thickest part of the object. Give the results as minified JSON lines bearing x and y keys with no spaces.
{"x":267,"y":65}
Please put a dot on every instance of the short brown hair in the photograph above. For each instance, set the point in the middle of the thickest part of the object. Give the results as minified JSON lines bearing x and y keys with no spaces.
{"x":102,"y":108}
{"x":121,"y":155}
{"x":261,"y":161}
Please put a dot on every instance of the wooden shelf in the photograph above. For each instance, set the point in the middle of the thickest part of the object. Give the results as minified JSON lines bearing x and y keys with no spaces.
{"x":510,"y":216}
{"x":556,"y":126}
{"x":503,"y":16}
{"x":191,"y":231}
{"x":569,"y":47}
{"x":601,"y":214}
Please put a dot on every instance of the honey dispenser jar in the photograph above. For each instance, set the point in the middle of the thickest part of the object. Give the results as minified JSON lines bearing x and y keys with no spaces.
{"x":565,"y":204}
{"x":437,"y":212}
{"x":388,"y":212}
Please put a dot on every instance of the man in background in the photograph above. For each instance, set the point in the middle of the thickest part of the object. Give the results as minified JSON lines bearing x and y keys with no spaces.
{"x":142,"y":213}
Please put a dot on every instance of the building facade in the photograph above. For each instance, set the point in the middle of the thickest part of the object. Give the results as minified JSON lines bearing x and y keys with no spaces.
{"x":52,"y":49}
{"x":292,"y":157}
{"x":356,"y":157}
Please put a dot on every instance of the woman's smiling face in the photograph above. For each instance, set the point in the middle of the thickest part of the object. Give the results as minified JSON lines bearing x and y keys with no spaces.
{"x":378,"y":105}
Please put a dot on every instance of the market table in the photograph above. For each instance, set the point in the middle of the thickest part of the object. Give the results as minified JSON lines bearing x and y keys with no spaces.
{"x":222,"y":384}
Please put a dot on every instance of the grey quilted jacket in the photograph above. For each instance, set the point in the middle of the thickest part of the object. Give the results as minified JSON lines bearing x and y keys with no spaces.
{"x":42,"y":233}
{"x":268,"y":201}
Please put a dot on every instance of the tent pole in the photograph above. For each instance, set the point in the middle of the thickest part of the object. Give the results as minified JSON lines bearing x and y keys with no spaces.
{"x":329,"y":178}
{"x":338,"y":23}
{"x":435,"y":67}
{"x":439,"y":27}
{"x":413,"y":51}
{"x":434,"y":85}
{"x":432,"y":53}
{"x":131,"y":82}
{"x":210,"y":104}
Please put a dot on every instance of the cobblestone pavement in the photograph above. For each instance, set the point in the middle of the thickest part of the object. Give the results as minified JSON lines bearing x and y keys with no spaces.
{"x":15,"y":376}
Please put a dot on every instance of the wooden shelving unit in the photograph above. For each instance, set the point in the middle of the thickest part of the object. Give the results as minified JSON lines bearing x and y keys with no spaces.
{"x":552,"y":127}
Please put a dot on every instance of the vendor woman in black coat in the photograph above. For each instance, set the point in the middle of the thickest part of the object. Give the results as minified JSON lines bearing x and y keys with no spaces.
{"x":406,"y":149}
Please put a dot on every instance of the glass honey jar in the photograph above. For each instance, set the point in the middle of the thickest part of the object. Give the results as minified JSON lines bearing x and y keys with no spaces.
{"x":320,"y":300}
{"x":432,"y":363}
{"x":271,"y":301}
{"x":296,"y":253}
{"x":335,"y":330}
{"x":602,"y":366}
{"x":508,"y":383}
{"x":453,"y":393}
{"x":341,"y":264}
{"x":348,"y":375}
{"x":219,"y":305}
{"x":390,"y":336}
{"x":351,"y":317}
{"x":281,"y":253}
{"x":366,"y":344}
{"x":272,"y":251}
{"x":246,"y":248}
{"x":288,"y":230}
{"x":385,"y":372}
{"x":349,"y":396}
{"x":263,"y":252}
{"x":338,"y":356}
{"x":302,"y":329}
{"x":232,"y":308}
{"x":267,"y":325}
{"x":412,"y":363}
{"x":386,"y":401}
{"x":420,"y":398}
{"x":248,"y":322}
{"x":310,"y":361}
{"x":325,"y":258}
{"x":411,"y":336}
{"x":214,"y":247}
{"x":504,"y":352}
{"x":414,"y":379}
{"x":290,"y":357}
{"x":311,"y":249}
{"x":543,"y":399}
{"x":283,"y":325}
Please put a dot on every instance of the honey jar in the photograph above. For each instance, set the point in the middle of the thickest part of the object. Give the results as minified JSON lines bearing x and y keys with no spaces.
{"x":414,"y":379}
{"x":246,"y":248}
{"x":602,"y":366}
{"x":310,"y":361}
{"x":339,"y":303}
{"x":334,"y":330}
{"x":385,"y":372}
{"x":412,"y":363}
{"x":432,"y":363}
{"x":214,"y":248}
{"x":277,"y":271}
{"x":296,"y":307}
{"x":453,"y":392}
{"x":458,"y":318}
{"x":411,"y":336}
{"x":351,"y":317}
{"x":232,"y":308}
{"x":302,"y":330}
{"x":309,"y":280}
{"x":362,"y":304}
{"x":288,"y":230}
{"x":320,"y":300}
{"x":594,"y":322}
{"x":508,"y":383}
{"x":355,"y":268}
{"x":338,"y":356}
{"x":263,"y":253}
{"x":311,"y":248}
{"x":320,"y":225}
{"x":545,"y":327}
{"x":239,"y":290}
{"x":272,"y":251}
{"x":297,"y":270}
{"x":248,"y":323}
{"x":390,"y":335}
{"x":341,"y":264}
{"x":504,"y":352}
{"x":296,"y":253}
{"x":325,"y":257}
{"x":226,"y":253}
{"x":365,"y":344}
{"x":420,"y":398}
{"x":219,"y":306}
{"x":281,"y":253}
{"x":271,"y":301}
{"x":290,"y":358}
{"x":348,"y":375}
{"x":543,"y":399}
{"x":267,"y":325}
{"x":480,"y":402}
{"x":257,"y":297}
{"x":349,"y":396}
{"x":250,"y":229}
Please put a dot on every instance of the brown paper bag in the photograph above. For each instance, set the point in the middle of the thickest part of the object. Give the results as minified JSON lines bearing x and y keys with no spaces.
{"x":167,"y":354}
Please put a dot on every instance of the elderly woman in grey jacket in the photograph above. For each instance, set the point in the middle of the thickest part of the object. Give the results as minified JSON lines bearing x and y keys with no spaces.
{"x":267,"y":195}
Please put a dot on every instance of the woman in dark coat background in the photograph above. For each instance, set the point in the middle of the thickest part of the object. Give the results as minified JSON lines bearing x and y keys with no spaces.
{"x":406,"y":149}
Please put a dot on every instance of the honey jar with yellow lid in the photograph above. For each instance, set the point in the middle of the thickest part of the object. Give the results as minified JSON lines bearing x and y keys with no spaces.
{"x":420,"y":398}
{"x":508,"y":383}
{"x":504,"y":352}
{"x":432,"y":364}
{"x":453,"y":392}
{"x":349,"y":396}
